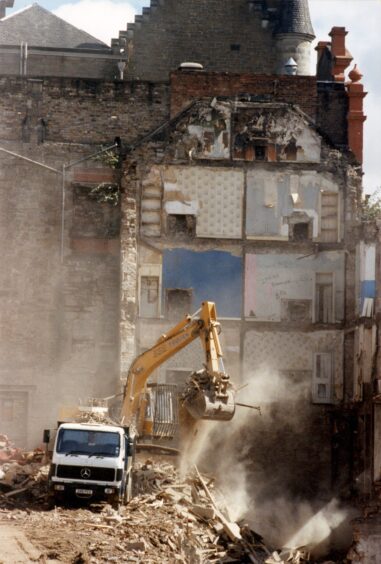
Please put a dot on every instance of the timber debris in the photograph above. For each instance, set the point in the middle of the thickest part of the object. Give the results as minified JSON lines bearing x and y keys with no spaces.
{"x":170,"y":519}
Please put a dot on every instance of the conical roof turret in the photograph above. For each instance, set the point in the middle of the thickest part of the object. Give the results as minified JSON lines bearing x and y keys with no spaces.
{"x":295,"y":18}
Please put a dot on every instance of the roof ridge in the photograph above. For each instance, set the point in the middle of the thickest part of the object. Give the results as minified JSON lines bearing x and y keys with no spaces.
{"x":17,"y":12}
{"x":53,"y":15}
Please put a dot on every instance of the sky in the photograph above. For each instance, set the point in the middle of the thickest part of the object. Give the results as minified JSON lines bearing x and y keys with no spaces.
{"x":362,"y":18}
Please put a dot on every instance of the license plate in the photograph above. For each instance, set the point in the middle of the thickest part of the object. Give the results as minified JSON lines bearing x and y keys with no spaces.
{"x":84,"y":492}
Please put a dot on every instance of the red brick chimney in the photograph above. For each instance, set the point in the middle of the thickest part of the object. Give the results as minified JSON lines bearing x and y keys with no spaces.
{"x":356,"y":115}
{"x":340,"y":54}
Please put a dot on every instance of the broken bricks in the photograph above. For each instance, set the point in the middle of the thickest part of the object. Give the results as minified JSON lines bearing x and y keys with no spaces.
{"x":170,"y":520}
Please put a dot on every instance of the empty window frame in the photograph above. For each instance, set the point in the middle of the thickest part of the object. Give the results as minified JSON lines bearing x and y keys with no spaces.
{"x":181,"y":225}
{"x":324,"y":298}
{"x":329,"y":217}
{"x":149,"y":296}
{"x":301,"y":232}
{"x":322,"y":378}
{"x":179,"y":302}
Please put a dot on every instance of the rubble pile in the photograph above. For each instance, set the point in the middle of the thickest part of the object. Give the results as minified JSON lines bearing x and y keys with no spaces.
{"x":21,"y":472}
{"x":170,"y":519}
{"x":8,"y":450}
{"x":193,"y":522}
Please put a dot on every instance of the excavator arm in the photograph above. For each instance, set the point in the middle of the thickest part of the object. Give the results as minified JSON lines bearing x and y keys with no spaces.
{"x":209,"y":393}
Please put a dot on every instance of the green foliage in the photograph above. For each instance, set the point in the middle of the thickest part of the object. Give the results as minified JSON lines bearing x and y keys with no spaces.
{"x":106,"y":193}
{"x":371,"y":206}
{"x":108,"y":158}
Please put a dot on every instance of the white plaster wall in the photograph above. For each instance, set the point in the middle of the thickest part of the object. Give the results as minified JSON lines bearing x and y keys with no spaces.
{"x":271,"y":200}
{"x":292,"y":350}
{"x":271,"y":278}
{"x":215,"y":195}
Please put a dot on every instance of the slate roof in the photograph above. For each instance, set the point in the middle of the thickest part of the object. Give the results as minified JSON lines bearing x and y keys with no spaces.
{"x":40,"y":28}
{"x":295,"y":18}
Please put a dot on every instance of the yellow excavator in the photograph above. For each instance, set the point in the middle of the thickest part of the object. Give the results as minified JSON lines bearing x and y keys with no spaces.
{"x":152,"y":411}
{"x":93,"y":457}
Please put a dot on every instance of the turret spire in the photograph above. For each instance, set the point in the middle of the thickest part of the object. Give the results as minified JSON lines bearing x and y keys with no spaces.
{"x":294,"y":34}
{"x":295,"y":18}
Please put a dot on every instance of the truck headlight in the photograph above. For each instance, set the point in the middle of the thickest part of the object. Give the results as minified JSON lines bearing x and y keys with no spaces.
{"x":109,"y":490}
{"x":59,"y":487}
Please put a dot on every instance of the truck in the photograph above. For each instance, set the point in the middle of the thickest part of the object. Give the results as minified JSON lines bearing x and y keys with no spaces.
{"x":93,"y":459}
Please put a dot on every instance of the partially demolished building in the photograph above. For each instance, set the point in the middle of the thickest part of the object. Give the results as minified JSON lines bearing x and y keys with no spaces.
{"x":240,"y":184}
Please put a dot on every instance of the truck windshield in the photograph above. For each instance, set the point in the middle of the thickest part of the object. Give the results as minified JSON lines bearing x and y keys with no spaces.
{"x":92,"y":443}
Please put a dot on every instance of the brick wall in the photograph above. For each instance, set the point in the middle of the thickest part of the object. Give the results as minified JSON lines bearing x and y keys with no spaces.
{"x":59,"y":316}
{"x":189,"y":85}
{"x":220,"y":34}
{"x":332,"y":112}
{"x":80,"y":111}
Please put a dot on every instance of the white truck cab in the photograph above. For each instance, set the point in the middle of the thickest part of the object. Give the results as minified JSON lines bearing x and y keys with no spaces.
{"x":91,"y":461}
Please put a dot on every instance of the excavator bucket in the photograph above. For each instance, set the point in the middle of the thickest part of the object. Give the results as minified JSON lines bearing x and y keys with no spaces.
{"x":209,"y":397}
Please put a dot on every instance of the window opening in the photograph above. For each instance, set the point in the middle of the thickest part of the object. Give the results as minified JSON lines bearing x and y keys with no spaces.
{"x":301,"y":232}
{"x":149,"y":296}
{"x":329,"y":217}
{"x":322,"y":378}
{"x":260,"y":152}
{"x":324,"y":298}
{"x":181,"y":225}
{"x":179,"y":303}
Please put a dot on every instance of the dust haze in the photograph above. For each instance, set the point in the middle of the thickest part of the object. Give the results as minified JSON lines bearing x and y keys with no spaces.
{"x":264,"y":480}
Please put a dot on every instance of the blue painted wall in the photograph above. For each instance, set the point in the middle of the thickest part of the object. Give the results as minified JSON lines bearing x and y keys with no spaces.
{"x":215,"y":276}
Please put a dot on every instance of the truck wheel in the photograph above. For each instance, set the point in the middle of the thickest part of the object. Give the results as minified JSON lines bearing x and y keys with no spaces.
{"x":115,"y":502}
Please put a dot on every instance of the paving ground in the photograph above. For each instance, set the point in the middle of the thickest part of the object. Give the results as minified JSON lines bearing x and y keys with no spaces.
{"x":15,"y":546}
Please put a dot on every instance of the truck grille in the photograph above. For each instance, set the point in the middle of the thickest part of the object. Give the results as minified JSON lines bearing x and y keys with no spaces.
{"x":82,"y":473}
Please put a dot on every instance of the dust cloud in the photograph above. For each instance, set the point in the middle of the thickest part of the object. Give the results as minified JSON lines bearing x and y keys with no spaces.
{"x":257,"y":464}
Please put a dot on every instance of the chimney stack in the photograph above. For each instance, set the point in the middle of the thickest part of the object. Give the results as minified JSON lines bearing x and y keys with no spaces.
{"x":356,"y":115}
{"x":340,"y":55}
{"x":4,"y":4}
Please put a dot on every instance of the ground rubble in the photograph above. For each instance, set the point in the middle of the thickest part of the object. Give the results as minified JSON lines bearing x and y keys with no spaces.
{"x":170,"y":519}
{"x":21,"y":472}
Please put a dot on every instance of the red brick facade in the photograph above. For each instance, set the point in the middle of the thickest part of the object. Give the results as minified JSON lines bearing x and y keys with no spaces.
{"x":189,"y":85}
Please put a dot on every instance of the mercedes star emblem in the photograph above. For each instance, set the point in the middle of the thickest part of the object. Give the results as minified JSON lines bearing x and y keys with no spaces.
{"x":85,"y":473}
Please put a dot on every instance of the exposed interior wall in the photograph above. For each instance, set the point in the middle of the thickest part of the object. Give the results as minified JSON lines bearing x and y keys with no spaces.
{"x":278,"y":202}
{"x":288,"y":287}
{"x":292,"y":350}
{"x":202,"y":273}
{"x":204,"y":185}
